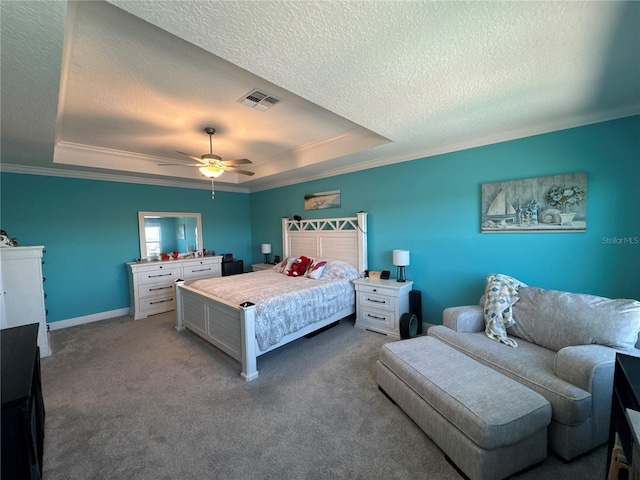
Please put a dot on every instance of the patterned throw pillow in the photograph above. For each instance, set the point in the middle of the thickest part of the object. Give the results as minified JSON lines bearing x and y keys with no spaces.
{"x":316,"y":270}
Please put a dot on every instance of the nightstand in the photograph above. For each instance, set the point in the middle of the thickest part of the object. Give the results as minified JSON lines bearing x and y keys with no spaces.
{"x":256,"y":267}
{"x":380,"y":303}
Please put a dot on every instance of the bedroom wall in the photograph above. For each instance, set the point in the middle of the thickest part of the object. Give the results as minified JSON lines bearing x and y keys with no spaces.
{"x":90,"y":230}
{"x":431,"y":207}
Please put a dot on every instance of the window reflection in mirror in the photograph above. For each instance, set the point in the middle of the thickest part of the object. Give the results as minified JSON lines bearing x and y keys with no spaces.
{"x":167,"y":232}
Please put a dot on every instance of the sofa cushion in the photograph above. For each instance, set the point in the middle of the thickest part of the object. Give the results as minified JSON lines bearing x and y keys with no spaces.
{"x":529,"y":364}
{"x":556,"y":319}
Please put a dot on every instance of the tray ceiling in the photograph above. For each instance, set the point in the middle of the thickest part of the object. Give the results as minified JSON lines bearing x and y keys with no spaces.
{"x":111,"y":89}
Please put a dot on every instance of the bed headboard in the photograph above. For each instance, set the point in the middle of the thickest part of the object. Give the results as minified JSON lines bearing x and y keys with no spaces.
{"x":335,"y":238}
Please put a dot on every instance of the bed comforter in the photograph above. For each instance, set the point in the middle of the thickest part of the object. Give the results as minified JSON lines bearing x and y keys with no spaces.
{"x":286,"y":304}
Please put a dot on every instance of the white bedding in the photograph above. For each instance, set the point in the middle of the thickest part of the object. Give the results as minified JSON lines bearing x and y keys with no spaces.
{"x":286,"y":304}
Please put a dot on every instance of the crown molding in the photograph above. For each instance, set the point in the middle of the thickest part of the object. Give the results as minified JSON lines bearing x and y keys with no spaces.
{"x":262,"y":185}
{"x":107,"y":177}
{"x":549,"y":127}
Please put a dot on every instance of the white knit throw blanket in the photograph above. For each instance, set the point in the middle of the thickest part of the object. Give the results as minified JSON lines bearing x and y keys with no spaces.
{"x":501,"y":293}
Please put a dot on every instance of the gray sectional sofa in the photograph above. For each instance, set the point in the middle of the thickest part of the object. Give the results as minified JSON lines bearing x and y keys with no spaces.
{"x":565,"y":355}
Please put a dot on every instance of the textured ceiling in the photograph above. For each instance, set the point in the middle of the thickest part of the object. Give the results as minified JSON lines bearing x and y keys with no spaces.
{"x":362,"y":83}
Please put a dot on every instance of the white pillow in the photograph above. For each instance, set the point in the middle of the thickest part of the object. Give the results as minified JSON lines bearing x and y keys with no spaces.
{"x":285,"y":266}
{"x":316,"y":270}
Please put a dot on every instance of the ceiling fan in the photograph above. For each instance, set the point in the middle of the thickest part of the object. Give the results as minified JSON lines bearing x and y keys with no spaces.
{"x":211,"y":165}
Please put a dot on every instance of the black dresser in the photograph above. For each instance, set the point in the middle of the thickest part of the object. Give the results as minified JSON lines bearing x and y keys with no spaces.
{"x":22,"y":404}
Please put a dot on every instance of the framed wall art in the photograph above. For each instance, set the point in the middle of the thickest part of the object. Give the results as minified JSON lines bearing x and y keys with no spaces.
{"x":316,"y":201}
{"x":556,"y":203}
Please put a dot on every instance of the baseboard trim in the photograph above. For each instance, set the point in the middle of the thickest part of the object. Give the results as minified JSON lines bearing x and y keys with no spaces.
{"x":96,"y":317}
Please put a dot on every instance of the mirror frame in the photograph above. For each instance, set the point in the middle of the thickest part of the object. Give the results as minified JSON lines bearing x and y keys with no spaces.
{"x":143,"y":237}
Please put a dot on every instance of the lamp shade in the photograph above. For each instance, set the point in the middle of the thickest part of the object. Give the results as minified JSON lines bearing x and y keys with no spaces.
{"x":211,"y":172}
{"x":401,"y":258}
{"x":266,"y":248}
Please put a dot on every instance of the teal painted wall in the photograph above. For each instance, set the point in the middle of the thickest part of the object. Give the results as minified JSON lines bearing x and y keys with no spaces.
{"x":431,"y":207}
{"x":90,"y":230}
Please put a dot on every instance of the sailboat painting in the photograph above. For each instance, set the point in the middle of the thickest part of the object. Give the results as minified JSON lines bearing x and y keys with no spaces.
{"x":501,"y":210}
{"x":545,"y":204}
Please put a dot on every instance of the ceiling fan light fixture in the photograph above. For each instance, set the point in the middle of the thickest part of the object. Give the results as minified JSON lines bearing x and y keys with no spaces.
{"x":211,"y":172}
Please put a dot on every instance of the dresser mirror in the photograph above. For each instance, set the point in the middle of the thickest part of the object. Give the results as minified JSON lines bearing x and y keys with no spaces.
{"x":168,"y":232}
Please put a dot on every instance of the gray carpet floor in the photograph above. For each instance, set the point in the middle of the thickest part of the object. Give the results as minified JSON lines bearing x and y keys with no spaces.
{"x":132,"y":399}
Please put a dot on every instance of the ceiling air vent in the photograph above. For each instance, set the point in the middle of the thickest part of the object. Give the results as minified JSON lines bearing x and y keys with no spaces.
{"x":259,"y":100}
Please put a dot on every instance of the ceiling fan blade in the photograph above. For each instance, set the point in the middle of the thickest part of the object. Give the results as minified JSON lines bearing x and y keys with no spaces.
{"x":237,"y":161}
{"x":198,"y":159}
{"x":237,"y":170}
{"x":181,"y":164}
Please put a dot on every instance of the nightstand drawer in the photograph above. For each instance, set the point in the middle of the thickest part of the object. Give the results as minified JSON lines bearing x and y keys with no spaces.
{"x":378,"y":318}
{"x":377,"y":289}
{"x":373,"y":300}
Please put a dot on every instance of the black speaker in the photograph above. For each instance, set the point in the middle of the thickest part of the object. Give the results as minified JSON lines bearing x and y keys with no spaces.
{"x":408,"y":326}
{"x":415,"y":307}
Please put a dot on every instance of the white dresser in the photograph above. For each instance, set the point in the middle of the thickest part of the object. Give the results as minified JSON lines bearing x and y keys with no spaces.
{"x":21,"y":285}
{"x":151,"y":284}
{"x":380,"y":303}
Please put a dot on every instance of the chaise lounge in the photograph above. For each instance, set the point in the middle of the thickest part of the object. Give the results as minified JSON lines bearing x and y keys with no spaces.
{"x":565,"y":348}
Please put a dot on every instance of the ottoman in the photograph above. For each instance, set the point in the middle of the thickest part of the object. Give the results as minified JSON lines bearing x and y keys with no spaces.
{"x":487,"y":424}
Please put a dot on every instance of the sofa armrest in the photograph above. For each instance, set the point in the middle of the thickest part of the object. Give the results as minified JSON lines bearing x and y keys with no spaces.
{"x":586,"y":366}
{"x":465,"y":319}
{"x":590,"y":367}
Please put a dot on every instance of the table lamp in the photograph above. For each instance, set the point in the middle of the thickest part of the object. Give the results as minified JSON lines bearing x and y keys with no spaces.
{"x":266,"y":249}
{"x":401,"y":260}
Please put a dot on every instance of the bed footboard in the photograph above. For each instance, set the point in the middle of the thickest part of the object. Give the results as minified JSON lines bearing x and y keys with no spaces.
{"x":228,"y":327}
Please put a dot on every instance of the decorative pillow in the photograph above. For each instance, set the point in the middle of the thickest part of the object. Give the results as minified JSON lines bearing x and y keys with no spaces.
{"x":285,"y":266}
{"x":316,"y":270}
{"x":501,"y":292}
{"x":299,"y":266}
{"x":556,"y":319}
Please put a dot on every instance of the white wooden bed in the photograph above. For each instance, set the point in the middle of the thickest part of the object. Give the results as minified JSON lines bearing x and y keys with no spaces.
{"x":231,"y":328}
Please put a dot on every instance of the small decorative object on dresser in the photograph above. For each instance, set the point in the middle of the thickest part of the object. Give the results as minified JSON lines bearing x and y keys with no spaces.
{"x":380,"y":303}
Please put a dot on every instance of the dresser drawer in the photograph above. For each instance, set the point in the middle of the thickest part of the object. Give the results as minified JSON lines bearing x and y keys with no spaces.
{"x":376,"y":318}
{"x":376,"y":301}
{"x":162,"y":274}
{"x":201,"y":269}
{"x":156,"y":290}
{"x":155,"y":305}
